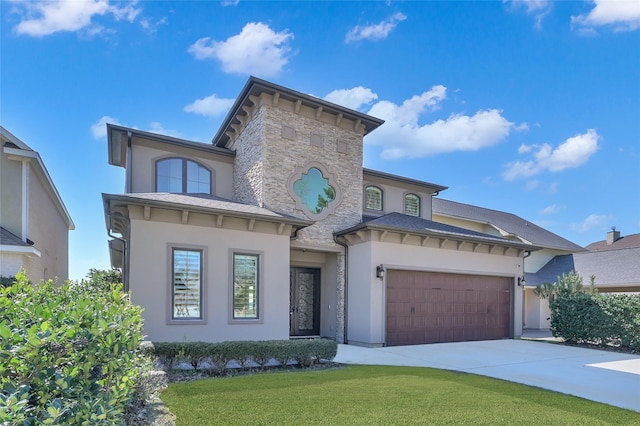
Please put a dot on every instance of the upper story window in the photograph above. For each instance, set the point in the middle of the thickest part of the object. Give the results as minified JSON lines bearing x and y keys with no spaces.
{"x":182,"y":176}
{"x":373,"y":198}
{"x":412,"y":205}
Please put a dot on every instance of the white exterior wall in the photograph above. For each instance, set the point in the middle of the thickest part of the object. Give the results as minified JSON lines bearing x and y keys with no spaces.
{"x":366,"y":293}
{"x":150,"y":281}
{"x":537,"y":313}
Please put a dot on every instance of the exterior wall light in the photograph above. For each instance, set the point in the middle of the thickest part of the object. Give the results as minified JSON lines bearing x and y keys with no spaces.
{"x":521,"y":281}
{"x":380,"y":272}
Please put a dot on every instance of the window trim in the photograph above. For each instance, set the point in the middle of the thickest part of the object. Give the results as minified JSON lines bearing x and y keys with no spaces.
{"x":300,"y":205}
{"x":185,"y":183}
{"x":231,"y":318}
{"x":171,"y":247}
{"x":364,"y":202}
{"x":404,"y":203}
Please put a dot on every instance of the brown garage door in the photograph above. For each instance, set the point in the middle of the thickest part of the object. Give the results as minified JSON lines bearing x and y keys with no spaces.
{"x":432,"y":307}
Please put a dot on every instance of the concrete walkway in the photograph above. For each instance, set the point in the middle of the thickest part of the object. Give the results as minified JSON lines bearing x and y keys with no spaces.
{"x":609,"y":377}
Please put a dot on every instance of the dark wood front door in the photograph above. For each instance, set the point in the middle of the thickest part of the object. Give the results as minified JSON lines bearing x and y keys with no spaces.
{"x":304,"y":300}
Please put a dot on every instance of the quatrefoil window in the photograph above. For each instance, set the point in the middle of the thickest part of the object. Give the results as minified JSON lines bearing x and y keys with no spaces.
{"x":314,"y":191}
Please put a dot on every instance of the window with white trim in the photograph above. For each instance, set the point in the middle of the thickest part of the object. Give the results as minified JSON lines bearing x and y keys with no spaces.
{"x":186,"y":284}
{"x":246,"y":286}
{"x":182,"y":176}
{"x":373,"y":198}
{"x":412,"y":205}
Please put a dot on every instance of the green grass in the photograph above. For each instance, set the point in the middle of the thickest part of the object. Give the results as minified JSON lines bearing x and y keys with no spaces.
{"x":374,"y":395}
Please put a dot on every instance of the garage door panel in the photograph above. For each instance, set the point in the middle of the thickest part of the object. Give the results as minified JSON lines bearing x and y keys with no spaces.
{"x":429,"y":307}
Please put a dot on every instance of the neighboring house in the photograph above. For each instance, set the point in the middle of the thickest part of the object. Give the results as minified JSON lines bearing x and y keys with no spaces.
{"x":535,"y":311}
{"x":614,"y":263}
{"x":34,"y":222}
{"x":275,"y":230}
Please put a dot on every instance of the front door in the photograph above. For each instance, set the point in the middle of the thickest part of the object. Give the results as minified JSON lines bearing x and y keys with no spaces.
{"x":304,"y":302}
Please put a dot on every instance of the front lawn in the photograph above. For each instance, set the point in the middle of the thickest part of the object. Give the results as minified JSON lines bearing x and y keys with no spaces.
{"x":379,"y":395}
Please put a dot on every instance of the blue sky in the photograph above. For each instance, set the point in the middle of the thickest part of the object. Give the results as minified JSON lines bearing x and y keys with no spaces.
{"x":531,"y":107}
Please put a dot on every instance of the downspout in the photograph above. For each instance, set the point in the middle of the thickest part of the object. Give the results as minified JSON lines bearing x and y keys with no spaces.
{"x":346,"y":286}
{"x":128,"y":160}
{"x":527,"y":253}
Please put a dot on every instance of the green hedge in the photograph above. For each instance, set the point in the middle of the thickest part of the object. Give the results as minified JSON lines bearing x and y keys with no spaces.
{"x":603,"y":319}
{"x":216,"y":356}
{"x":69,"y":354}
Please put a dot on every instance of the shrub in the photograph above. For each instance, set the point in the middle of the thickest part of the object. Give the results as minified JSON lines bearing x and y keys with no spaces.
{"x":68,"y":354}
{"x":581,"y":316}
{"x":246,"y":353}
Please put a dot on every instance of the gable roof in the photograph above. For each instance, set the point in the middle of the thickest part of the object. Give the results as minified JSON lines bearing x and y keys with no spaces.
{"x":18,"y":149}
{"x":256,"y":86}
{"x":629,"y":241}
{"x":505,"y":223}
{"x":404,"y":223}
{"x":611,"y":267}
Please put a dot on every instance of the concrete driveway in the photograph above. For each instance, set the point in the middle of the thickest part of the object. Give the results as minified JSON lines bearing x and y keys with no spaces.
{"x":608,"y":377}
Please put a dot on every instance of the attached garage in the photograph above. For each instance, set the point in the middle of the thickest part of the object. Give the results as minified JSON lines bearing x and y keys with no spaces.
{"x":434,"y":307}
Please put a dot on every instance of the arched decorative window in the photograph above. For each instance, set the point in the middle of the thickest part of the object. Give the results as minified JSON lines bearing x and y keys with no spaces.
{"x":412,"y":205}
{"x":182,"y":176}
{"x":373,"y":198}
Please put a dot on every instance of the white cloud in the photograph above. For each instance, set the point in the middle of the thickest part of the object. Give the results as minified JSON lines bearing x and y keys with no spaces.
{"x":352,"y":98}
{"x":229,"y":2}
{"x":621,"y":15}
{"x":573,"y":152}
{"x":590,"y":222}
{"x":47,"y":17}
{"x":538,"y":8}
{"x":524,"y":149}
{"x":211,"y":106}
{"x":156,"y":127}
{"x":375,"y":32}
{"x":256,"y":50}
{"x":552,"y":209}
{"x":150,"y":26}
{"x":99,"y":128}
{"x":403,"y":136}
{"x":531,"y":185}
{"x":553,"y":188}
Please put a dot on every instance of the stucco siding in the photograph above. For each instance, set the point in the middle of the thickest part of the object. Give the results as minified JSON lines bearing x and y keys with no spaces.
{"x":393,"y":198}
{"x":49,"y":232}
{"x":11,"y":195}
{"x":143,"y":168}
{"x":150,"y":282}
{"x":537,"y":313}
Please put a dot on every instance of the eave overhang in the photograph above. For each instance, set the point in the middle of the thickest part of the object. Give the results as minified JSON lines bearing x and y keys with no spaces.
{"x":255,"y":87}
{"x":429,"y":187}
{"x":34,"y":158}
{"x":443,"y":236}
{"x":29,"y":251}
{"x":113,"y":202}
{"x":119,"y":138}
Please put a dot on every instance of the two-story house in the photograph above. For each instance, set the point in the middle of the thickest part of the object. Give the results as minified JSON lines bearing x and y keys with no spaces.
{"x":34,"y":222}
{"x":275,"y":230}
